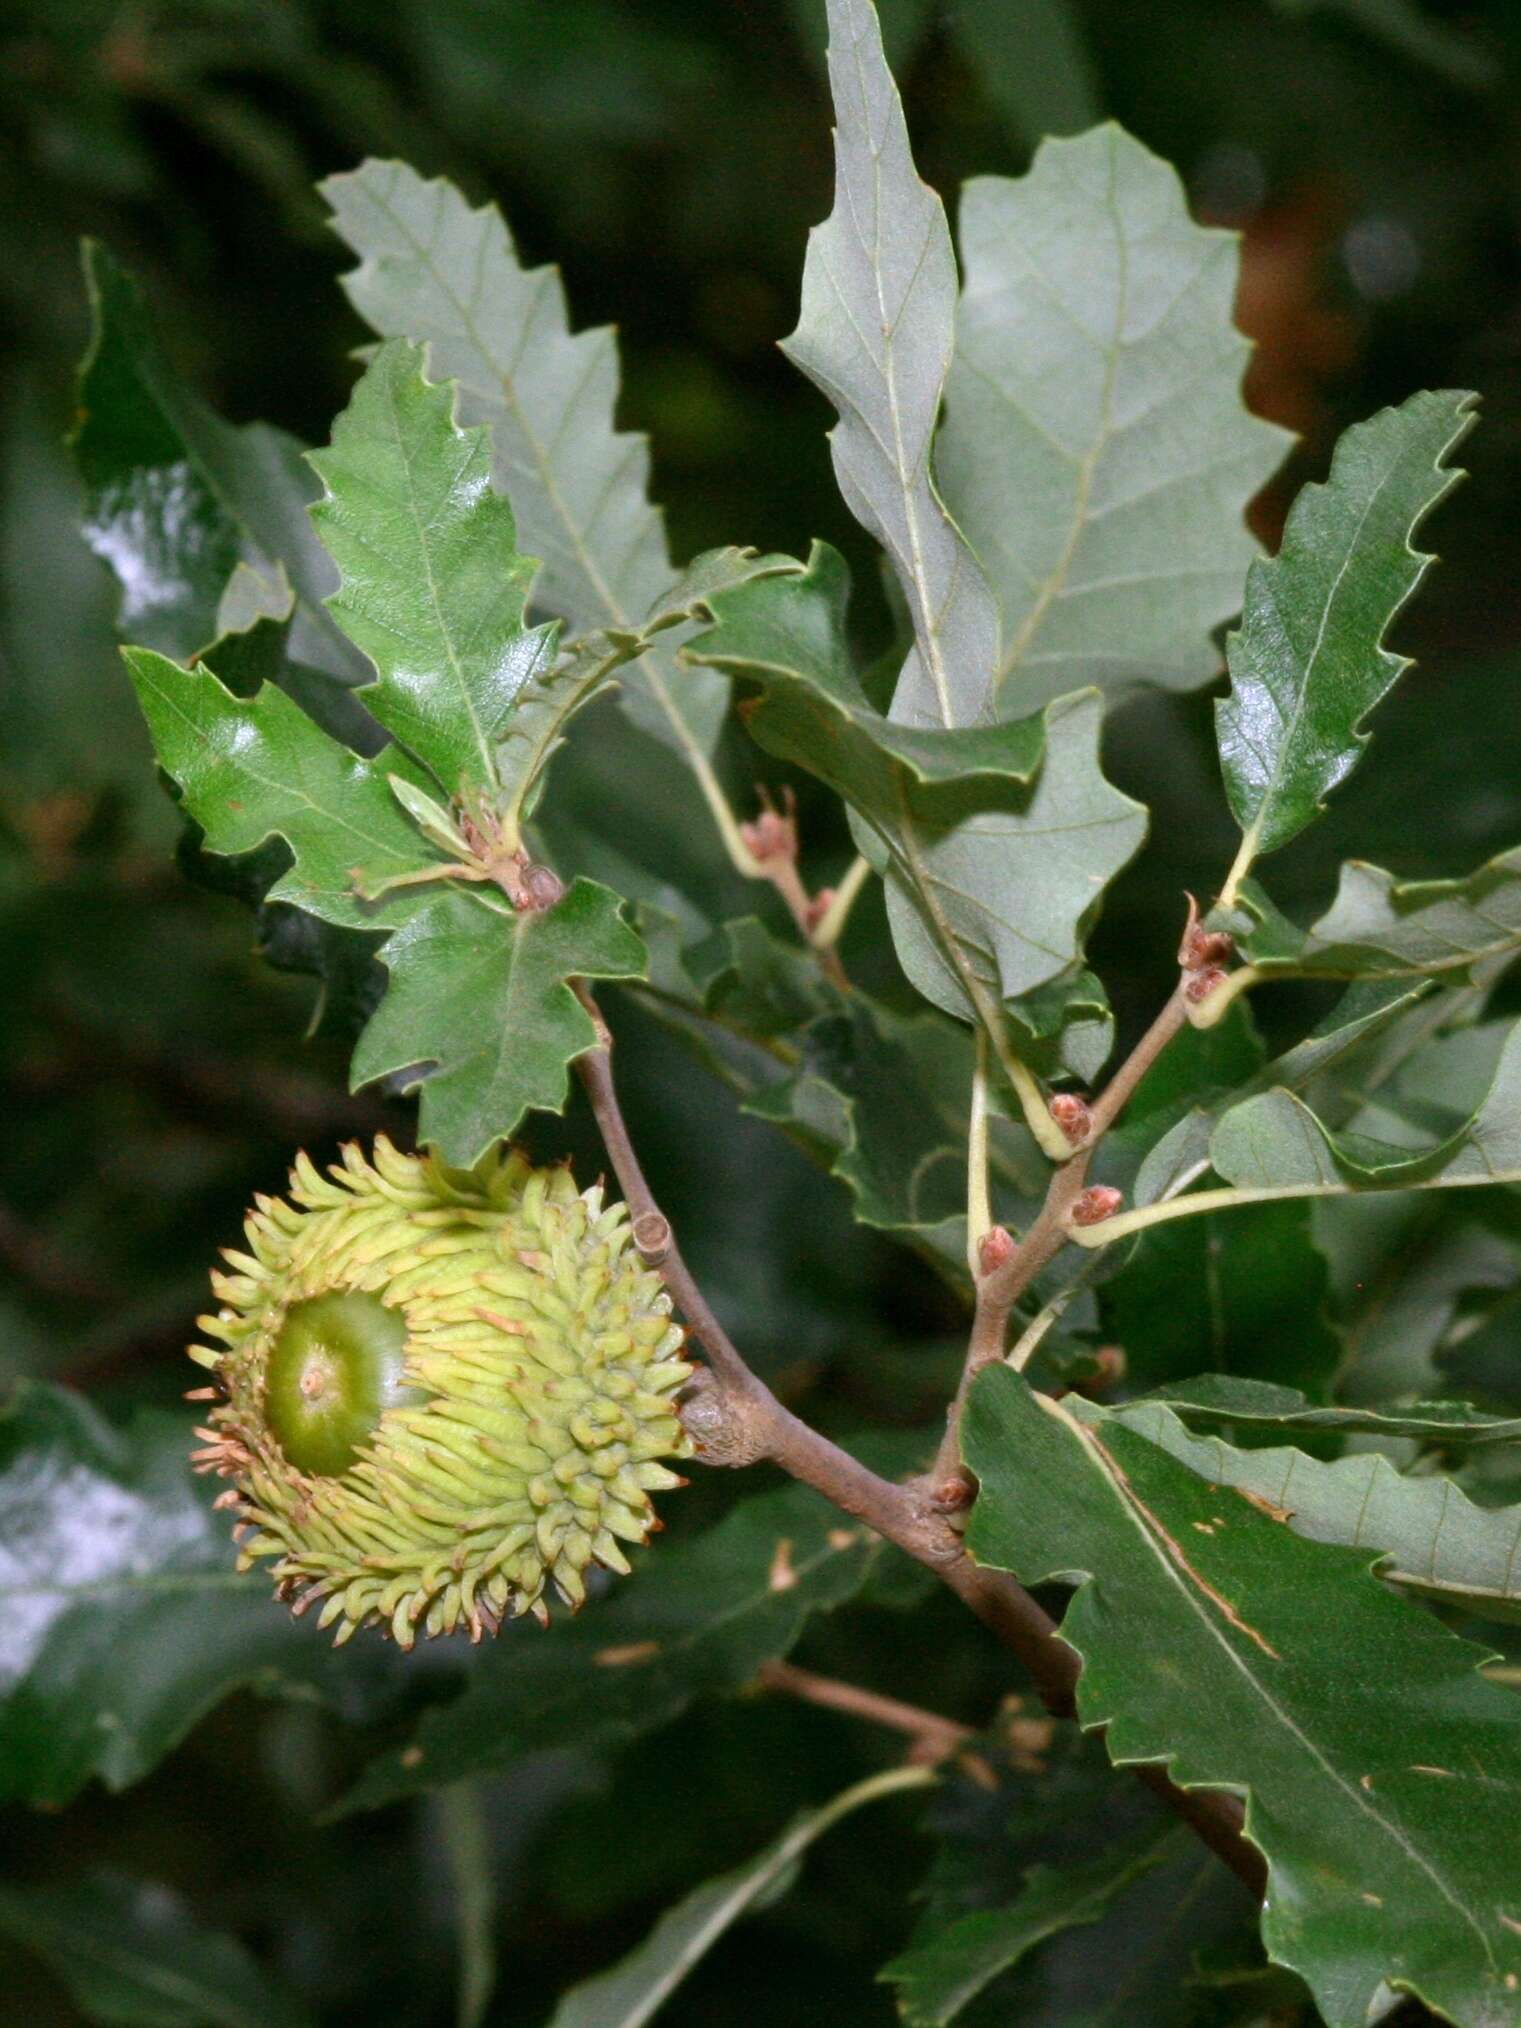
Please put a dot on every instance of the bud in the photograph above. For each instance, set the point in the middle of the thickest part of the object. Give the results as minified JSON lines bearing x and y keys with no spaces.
{"x":995,"y":1249}
{"x":540,"y":887}
{"x":1098,"y":1202}
{"x":1199,"y":985}
{"x":1201,"y":947}
{"x":445,"y":1390}
{"x":1070,"y":1112}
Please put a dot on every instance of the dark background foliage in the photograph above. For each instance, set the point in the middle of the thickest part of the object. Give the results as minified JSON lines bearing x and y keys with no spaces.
{"x":671,"y":154}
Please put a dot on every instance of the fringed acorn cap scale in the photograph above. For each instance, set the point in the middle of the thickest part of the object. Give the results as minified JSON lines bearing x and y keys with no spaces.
{"x":443,"y":1389}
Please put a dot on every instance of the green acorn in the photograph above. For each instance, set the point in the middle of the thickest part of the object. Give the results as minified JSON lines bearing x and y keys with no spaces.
{"x":442,"y":1389}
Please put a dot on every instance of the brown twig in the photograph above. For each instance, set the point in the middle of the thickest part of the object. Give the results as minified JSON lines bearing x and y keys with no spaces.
{"x":935,"y":1738}
{"x":735,"y":1419}
{"x":998,"y":1291}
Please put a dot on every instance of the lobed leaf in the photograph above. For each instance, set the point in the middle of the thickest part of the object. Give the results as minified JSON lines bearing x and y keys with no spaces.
{"x":481,"y":993}
{"x":1096,"y":450}
{"x":432,"y":586}
{"x":1436,"y":1540}
{"x":1381,"y":927}
{"x":1274,"y":1143}
{"x":1381,"y":1797}
{"x":255,"y":768}
{"x":443,"y":275}
{"x":998,"y":839}
{"x":875,"y":334}
{"x":1308,"y":662}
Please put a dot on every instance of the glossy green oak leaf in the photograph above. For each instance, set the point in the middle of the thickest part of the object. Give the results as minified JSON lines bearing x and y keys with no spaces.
{"x":1383,"y":1798}
{"x":998,"y":839}
{"x":1096,"y":449}
{"x":1308,"y":662}
{"x":480,"y":992}
{"x":255,"y":768}
{"x":433,"y":587}
{"x":446,"y":275}
{"x":875,"y":334}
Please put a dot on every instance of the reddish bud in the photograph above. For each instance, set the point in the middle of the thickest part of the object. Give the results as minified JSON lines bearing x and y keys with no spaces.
{"x":1098,"y":1202}
{"x":954,"y":1494}
{"x":1070,"y":1112}
{"x":995,"y":1249}
{"x":539,"y":887}
{"x":1203,"y":947}
{"x":773,"y":834}
{"x":1200,"y":985}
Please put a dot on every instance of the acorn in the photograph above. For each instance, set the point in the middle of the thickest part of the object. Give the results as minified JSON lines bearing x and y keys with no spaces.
{"x":443,"y":1391}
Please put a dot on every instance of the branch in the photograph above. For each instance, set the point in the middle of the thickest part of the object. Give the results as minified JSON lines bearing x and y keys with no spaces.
{"x":935,"y":1738}
{"x":735,"y":1419}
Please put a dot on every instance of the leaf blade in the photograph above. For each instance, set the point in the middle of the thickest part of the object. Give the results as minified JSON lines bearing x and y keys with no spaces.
{"x":1307,"y":662}
{"x":875,"y":334}
{"x":1381,"y":1870}
{"x":432,"y":586}
{"x":443,"y":275}
{"x":1096,"y":449}
{"x":482,"y":993}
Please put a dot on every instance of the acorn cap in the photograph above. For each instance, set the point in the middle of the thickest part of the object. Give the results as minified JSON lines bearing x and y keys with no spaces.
{"x":444,"y":1389}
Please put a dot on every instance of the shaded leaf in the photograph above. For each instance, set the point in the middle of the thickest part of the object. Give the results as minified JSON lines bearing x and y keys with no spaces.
{"x":439,"y":273}
{"x":130,"y":1953}
{"x":884,"y":1100}
{"x":1059,"y":1808}
{"x":123,"y":1620}
{"x":948,"y":1967}
{"x":1381,"y":1799}
{"x":633,"y":1991}
{"x":875,"y":334}
{"x":480,"y":992}
{"x":547,"y":703}
{"x":696,"y":1620}
{"x":1307,"y":662}
{"x":1233,"y":1293}
{"x":1096,"y":449}
{"x":1275,"y":1143}
{"x":175,"y":496}
{"x":433,"y":588}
